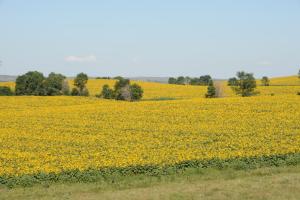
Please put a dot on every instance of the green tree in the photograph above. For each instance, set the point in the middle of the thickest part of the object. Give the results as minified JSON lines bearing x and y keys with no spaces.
{"x":246,"y":84}
{"x":205,"y":80}
{"x":232,"y":81}
{"x":136,"y":92}
{"x":118,"y":77}
{"x":75,"y":92}
{"x":265,"y":81}
{"x":211,"y":90}
{"x":172,"y":80}
{"x":299,"y":74}
{"x":54,"y":84}
{"x":122,"y":82}
{"x":80,"y":81}
{"x":195,"y":81}
{"x":180,"y":80}
{"x":5,"y":91}
{"x":31,"y":83}
{"x":187,"y":80}
{"x":107,"y":92}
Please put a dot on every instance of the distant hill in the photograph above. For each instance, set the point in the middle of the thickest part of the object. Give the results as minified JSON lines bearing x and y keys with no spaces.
{"x":150,"y":79}
{"x":6,"y":78}
{"x":286,"y":80}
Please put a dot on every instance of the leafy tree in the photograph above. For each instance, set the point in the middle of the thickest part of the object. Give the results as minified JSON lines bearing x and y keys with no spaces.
{"x":172,"y":80}
{"x":211,"y":90}
{"x":265,"y":81}
{"x":5,"y":91}
{"x":180,"y":80}
{"x":246,"y":84}
{"x":205,"y":80}
{"x":122,"y":82}
{"x":107,"y":92}
{"x":136,"y":92}
{"x":299,"y":74}
{"x":232,"y":81}
{"x":31,"y":83}
{"x":75,"y":92}
{"x":187,"y":80}
{"x":54,"y":84}
{"x":195,"y":81}
{"x":202,"y":80}
{"x":118,"y":77}
{"x":81,"y":81}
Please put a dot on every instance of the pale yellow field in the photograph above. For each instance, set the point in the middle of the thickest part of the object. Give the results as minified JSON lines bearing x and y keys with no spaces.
{"x":51,"y":134}
{"x":153,"y":90}
{"x":289,"y":80}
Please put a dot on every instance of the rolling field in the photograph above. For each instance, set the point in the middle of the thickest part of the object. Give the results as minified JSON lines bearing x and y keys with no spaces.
{"x":54,"y":135}
{"x":288,"y":80}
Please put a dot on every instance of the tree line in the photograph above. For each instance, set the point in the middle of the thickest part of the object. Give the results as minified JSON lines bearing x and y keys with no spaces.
{"x":34,"y":83}
{"x":181,"y":80}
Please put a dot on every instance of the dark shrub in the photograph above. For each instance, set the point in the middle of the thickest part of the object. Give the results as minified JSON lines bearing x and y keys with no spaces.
{"x":136,"y":92}
{"x":211,"y":90}
{"x":107,"y":92}
{"x":5,"y":91}
{"x":75,"y":92}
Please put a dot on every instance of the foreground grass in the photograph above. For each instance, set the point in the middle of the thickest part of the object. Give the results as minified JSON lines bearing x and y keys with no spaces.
{"x":263,"y":183}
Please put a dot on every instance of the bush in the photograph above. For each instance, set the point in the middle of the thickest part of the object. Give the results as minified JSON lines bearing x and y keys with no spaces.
{"x":136,"y":92}
{"x":122,"y":82}
{"x":5,"y":91}
{"x":211,"y":90}
{"x":75,"y":92}
{"x":84,"y":92}
{"x":123,"y":93}
{"x":265,"y":81}
{"x":107,"y":92}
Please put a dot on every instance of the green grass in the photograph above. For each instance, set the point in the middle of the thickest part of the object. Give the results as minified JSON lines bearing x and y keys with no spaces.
{"x":116,"y":174}
{"x":262,"y":183}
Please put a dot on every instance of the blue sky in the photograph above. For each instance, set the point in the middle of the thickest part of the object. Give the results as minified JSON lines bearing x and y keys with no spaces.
{"x":150,"y":38}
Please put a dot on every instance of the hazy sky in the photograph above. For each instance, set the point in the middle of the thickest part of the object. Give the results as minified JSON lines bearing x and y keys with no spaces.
{"x":150,"y":38}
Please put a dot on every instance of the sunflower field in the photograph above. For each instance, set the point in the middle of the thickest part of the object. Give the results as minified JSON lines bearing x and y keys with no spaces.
{"x":55,"y":135}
